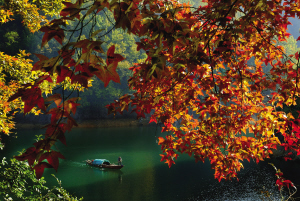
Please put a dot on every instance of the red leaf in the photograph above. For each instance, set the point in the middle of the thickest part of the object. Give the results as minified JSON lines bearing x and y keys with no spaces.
{"x":169,"y":162}
{"x":63,"y":72}
{"x":39,"y":169}
{"x":112,"y":57}
{"x":52,"y":158}
{"x":153,"y":119}
{"x":28,"y":106}
{"x":55,"y":97}
{"x":19,"y":93}
{"x":39,"y":64}
{"x":29,"y":155}
{"x":279,"y":184}
{"x":148,"y":108}
{"x":288,"y":183}
{"x":52,"y":32}
{"x":297,"y":56}
{"x":73,"y":106}
{"x":72,"y":10}
{"x":51,"y":128}
{"x":108,"y":74}
{"x":81,"y":79}
{"x":41,"y":104}
{"x":67,"y":114}
{"x":163,"y":157}
{"x":70,"y":125}
{"x":44,"y":144}
{"x":31,"y":97}
{"x":62,"y":138}
{"x":55,"y":114}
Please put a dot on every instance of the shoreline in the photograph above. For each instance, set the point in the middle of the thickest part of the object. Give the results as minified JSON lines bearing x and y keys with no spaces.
{"x":103,"y":123}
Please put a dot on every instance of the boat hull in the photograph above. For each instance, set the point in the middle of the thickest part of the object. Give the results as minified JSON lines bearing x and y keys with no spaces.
{"x":117,"y":167}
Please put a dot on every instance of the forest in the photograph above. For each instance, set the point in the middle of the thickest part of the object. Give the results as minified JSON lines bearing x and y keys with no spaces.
{"x":208,"y":72}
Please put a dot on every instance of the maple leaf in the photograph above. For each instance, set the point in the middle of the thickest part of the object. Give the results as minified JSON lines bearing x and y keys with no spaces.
{"x":288,"y":183}
{"x":61,"y":137}
{"x":170,"y":162}
{"x":161,"y":140}
{"x":81,"y":79}
{"x":63,"y":72}
{"x":30,"y":97}
{"x":112,"y":57}
{"x":55,"y":97}
{"x":44,"y":144}
{"x":39,"y":169}
{"x":52,"y":32}
{"x":72,"y":106}
{"x":29,"y":155}
{"x":106,"y":74}
{"x":52,"y":158}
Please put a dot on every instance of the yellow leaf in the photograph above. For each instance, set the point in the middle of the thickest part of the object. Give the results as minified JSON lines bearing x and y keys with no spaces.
{"x":270,"y":133}
{"x":244,"y":138}
{"x":279,"y":105}
{"x":290,"y":116}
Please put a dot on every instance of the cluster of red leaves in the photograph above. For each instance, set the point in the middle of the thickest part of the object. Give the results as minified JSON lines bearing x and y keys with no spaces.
{"x":281,"y":181}
{"x":198,"y":82}
{"x":291,"y":139}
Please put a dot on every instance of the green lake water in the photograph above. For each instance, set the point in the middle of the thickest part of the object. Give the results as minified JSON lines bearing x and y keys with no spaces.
{"x":143,"y":177}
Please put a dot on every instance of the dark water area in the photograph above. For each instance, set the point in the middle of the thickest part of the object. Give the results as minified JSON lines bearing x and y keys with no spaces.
{"x":143,"y":177}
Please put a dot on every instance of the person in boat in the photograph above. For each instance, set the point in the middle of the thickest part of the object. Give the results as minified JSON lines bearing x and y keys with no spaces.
{"x":119,"y":160}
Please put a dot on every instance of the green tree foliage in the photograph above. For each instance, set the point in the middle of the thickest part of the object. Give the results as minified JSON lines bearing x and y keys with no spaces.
{"x":14,"y":37}
{"x":18,"y":182}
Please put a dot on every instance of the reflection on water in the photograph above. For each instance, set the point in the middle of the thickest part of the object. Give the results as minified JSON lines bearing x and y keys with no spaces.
{"x":143,"y":177}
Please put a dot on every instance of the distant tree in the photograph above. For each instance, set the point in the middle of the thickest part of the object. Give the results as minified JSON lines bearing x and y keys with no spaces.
{"x":125,"y":44}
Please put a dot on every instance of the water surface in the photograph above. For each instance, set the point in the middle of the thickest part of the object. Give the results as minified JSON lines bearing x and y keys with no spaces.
{"x":143,"y":177}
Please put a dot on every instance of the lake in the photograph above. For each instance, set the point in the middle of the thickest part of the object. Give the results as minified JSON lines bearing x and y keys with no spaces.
{"x":143,"y":176}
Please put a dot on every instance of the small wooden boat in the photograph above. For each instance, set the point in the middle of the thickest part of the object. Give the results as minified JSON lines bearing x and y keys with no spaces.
{"x":103,"y":163}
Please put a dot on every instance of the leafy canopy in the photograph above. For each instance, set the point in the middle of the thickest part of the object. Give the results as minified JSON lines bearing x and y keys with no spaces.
{"x":196,"y":79}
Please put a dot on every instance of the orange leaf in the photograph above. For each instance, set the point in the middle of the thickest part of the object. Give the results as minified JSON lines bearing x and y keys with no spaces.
{"x":161,"y":140}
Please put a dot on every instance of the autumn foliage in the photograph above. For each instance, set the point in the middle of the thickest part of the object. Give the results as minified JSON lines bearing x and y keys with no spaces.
{"x":197,"y":80}
{"x":15,"y":70}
